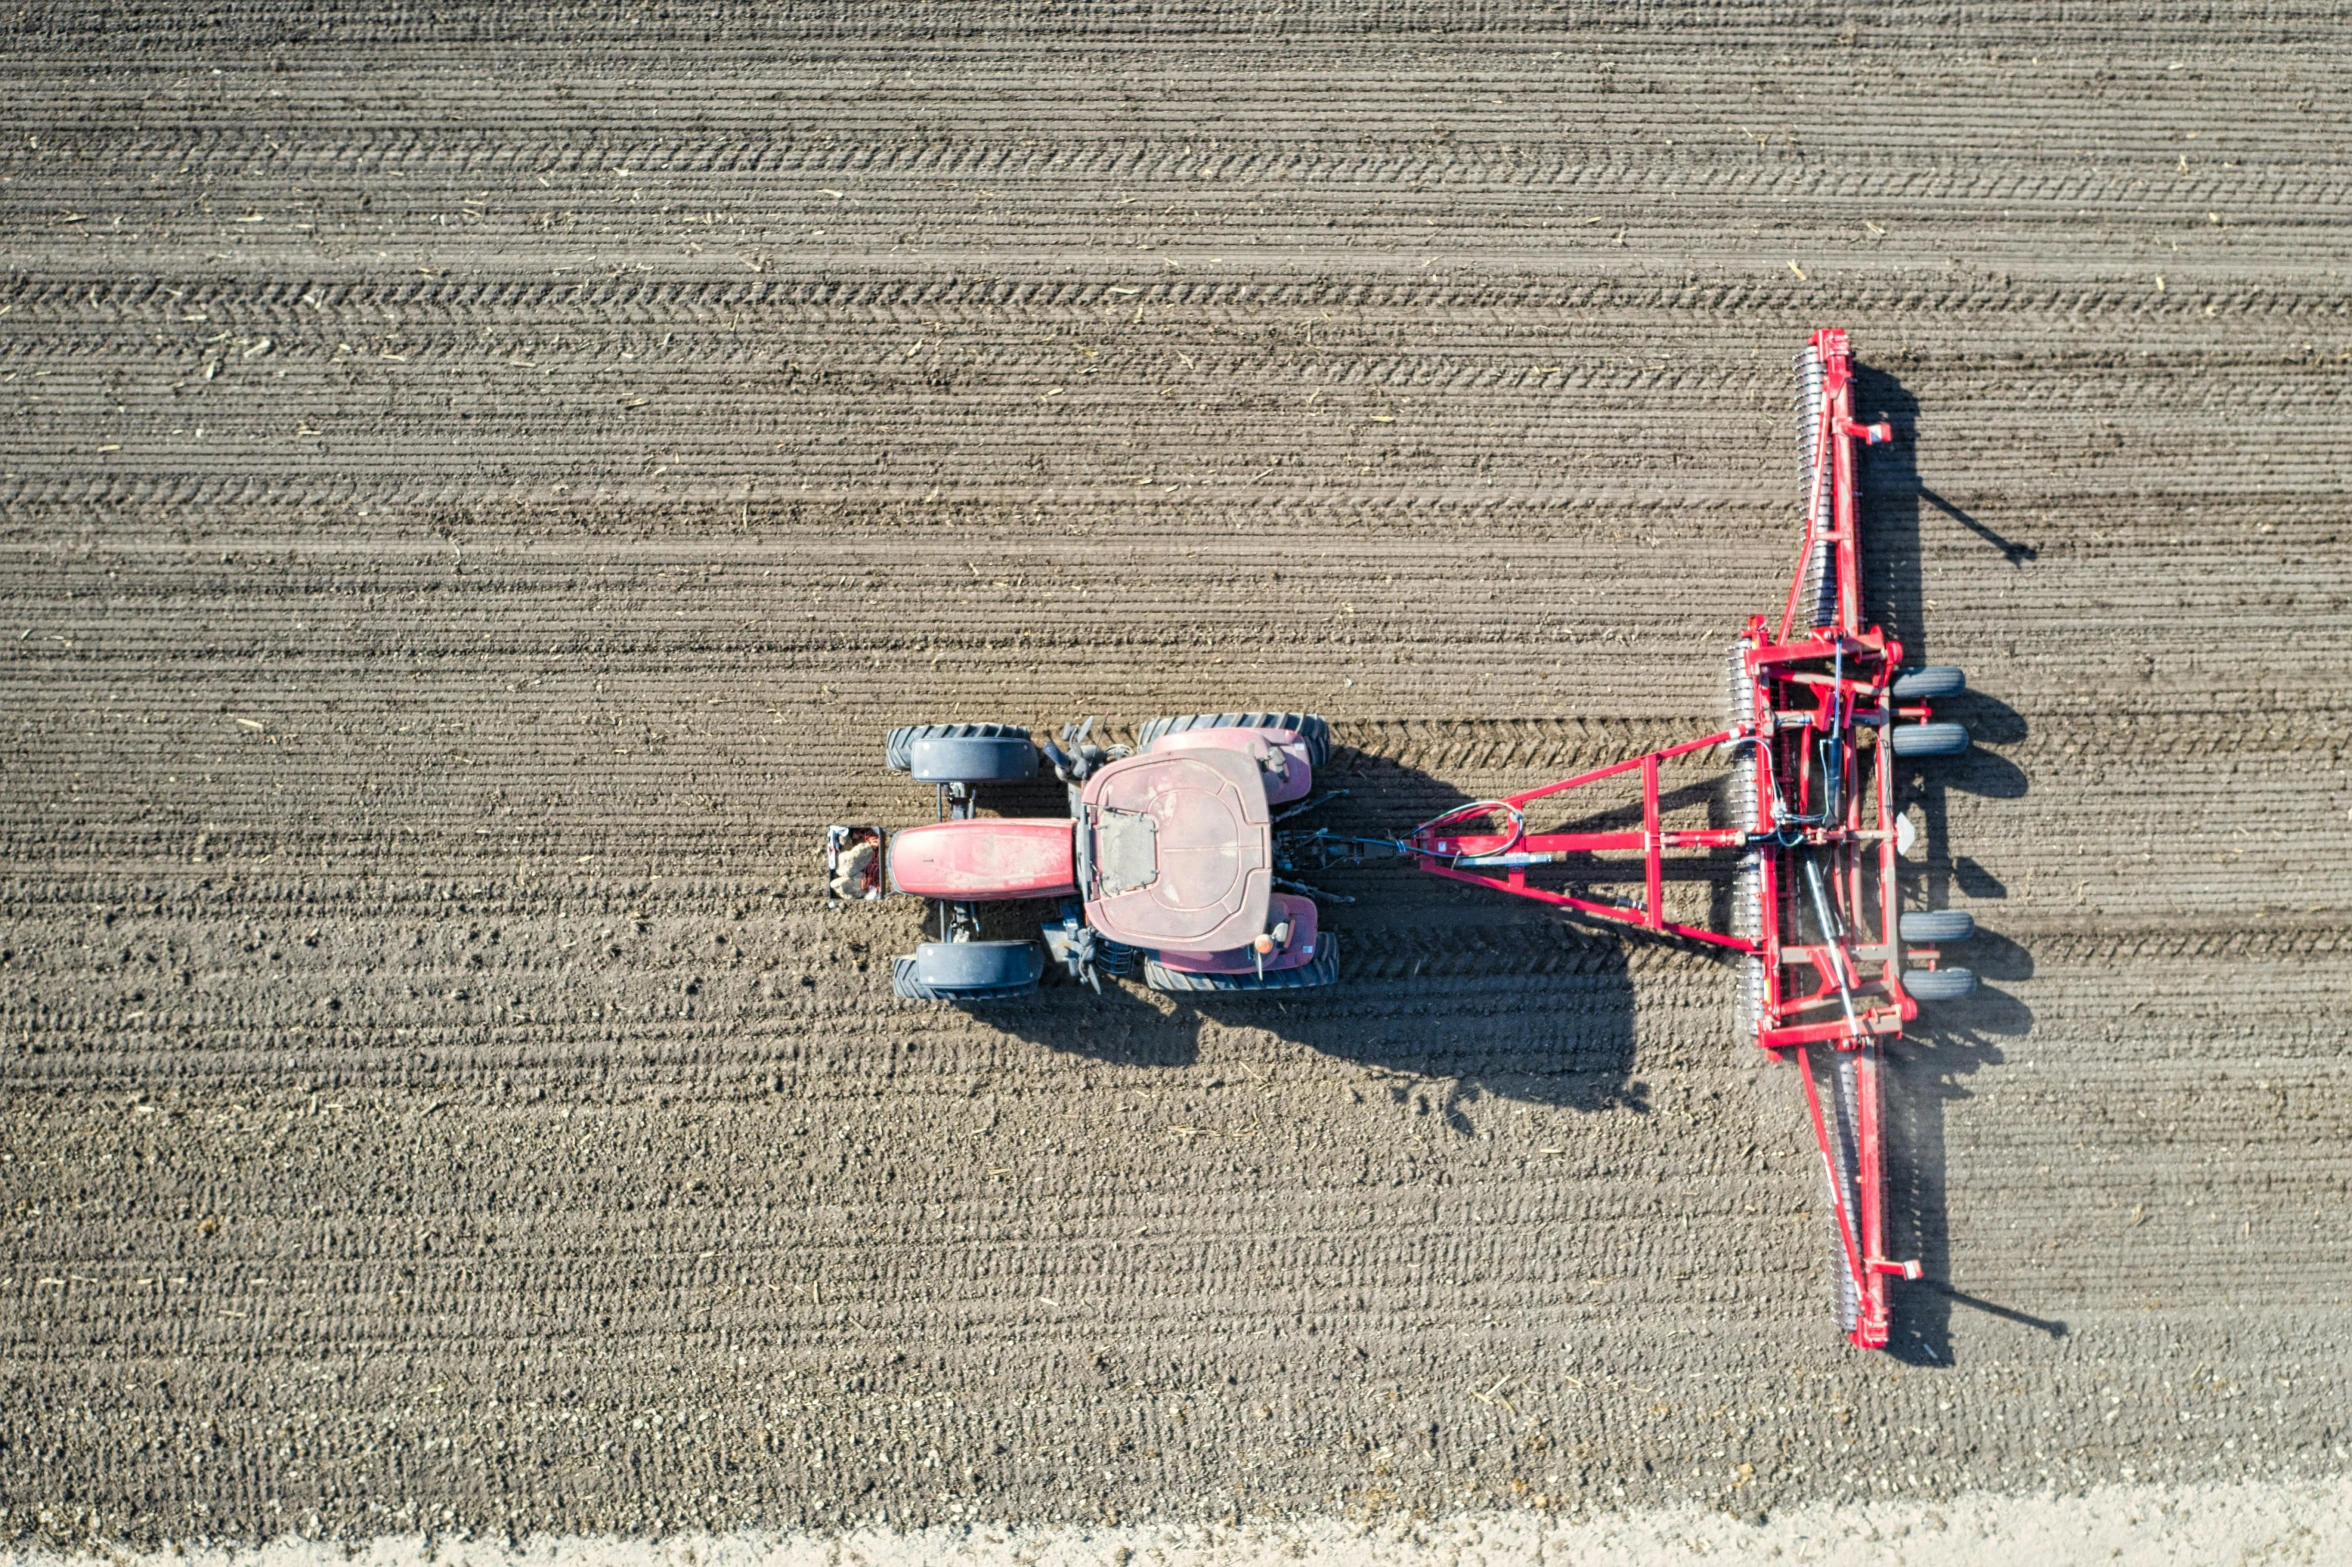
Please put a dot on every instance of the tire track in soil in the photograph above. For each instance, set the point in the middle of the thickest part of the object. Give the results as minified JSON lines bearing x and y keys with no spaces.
{"x":468,"y":510}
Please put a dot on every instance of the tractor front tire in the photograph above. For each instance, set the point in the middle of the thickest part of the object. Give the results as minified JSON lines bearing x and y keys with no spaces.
{"x":1939,"y":984}
{"x":1937,"y":739}
{"x":1310,"y":726}
{"x":1316,"y":973}
{"x":968,"y":971}
{"x":962,"y":753}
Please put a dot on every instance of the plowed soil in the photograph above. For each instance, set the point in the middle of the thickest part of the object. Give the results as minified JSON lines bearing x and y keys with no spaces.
{"x":478,"y":487}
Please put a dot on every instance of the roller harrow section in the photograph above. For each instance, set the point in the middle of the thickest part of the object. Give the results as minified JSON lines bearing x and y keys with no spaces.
{"x":1817,"y":583}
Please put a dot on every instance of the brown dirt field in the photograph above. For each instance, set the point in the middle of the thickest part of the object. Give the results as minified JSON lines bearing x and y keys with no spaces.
{"x":477,"y":488}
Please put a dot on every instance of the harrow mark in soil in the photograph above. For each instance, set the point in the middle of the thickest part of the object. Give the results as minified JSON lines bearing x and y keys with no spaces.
{"x":1175,"y":856}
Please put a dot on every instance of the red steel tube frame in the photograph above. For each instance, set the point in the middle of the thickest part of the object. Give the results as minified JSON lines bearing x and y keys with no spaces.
{"x":1855,"y":1002}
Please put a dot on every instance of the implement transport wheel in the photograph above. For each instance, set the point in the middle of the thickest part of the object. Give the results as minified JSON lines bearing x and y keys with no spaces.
{"x":1930,"y":927}
{"x":1319,"y":971}
{"x":1939,"y":984}
{"x":1310,"y":726}
{"x":962,"y":753}
{"x":1937,"y":739}
{"x":968,"y":971}
{"x":1928,"y":683}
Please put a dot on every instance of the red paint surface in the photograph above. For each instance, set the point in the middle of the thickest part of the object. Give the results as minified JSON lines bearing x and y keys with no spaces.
{"x":1215,"y":846}
{"x":1290,"y":780}
{"x":1242,"y":960}
{"x":986,"y":859}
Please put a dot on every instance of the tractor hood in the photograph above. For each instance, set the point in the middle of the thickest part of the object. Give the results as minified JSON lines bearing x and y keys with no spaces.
{"x":985,"y":859}
{"x":1177,"y":850}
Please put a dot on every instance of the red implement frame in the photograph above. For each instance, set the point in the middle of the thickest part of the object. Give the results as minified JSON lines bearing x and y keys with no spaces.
{"x":1817,"y":848}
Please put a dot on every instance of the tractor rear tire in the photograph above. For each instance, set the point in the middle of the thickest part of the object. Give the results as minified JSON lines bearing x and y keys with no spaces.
{"x":1939,"y":984}
{"x":968,"y":971}
{"x":1315,"y":974}
{"x":1931,"y":927}
{"x":1310,"y":726}
{"x":962,"y":753}
{"x":1928,"y":683}
{"x":1937,"y":739}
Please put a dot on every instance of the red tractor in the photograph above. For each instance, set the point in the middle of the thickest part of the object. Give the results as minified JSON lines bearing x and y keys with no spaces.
{"x":1172,"y":854}
{"x":1167,"y":856}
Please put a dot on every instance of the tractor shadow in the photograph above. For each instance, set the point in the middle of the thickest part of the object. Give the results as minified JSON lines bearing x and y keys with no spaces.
{"x":1951,"y":1041}
{"x":1451,"y":995}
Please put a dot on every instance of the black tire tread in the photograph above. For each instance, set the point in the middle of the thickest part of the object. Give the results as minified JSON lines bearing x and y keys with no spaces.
{"x":1939,"y":984}
{"x":1320,"y":971}
{"x":908,"y":988}
{"x":898,"y":750}
{"x":1932,"y":926}
{"x":1937,"y":739}
{"x":1311,"y":727}
{"x":1929,"y":683}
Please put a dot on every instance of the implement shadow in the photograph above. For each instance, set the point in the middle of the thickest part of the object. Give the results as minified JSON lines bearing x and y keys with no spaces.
{"x":1951,"y":1041}
{"x":1454,"y":994}
{"x":1927,"y":1073}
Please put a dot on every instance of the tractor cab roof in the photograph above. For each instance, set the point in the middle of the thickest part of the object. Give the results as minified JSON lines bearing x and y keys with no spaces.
{"x":1176,"y":850}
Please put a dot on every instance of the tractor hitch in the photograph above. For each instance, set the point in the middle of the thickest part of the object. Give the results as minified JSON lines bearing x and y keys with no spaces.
{"x":853,"y":863}
{"x":1085,"y":953}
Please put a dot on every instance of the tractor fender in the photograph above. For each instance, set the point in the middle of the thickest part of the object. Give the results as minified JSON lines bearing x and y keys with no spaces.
{"x":1304,"y":935}
{"x":1281,"y":754}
